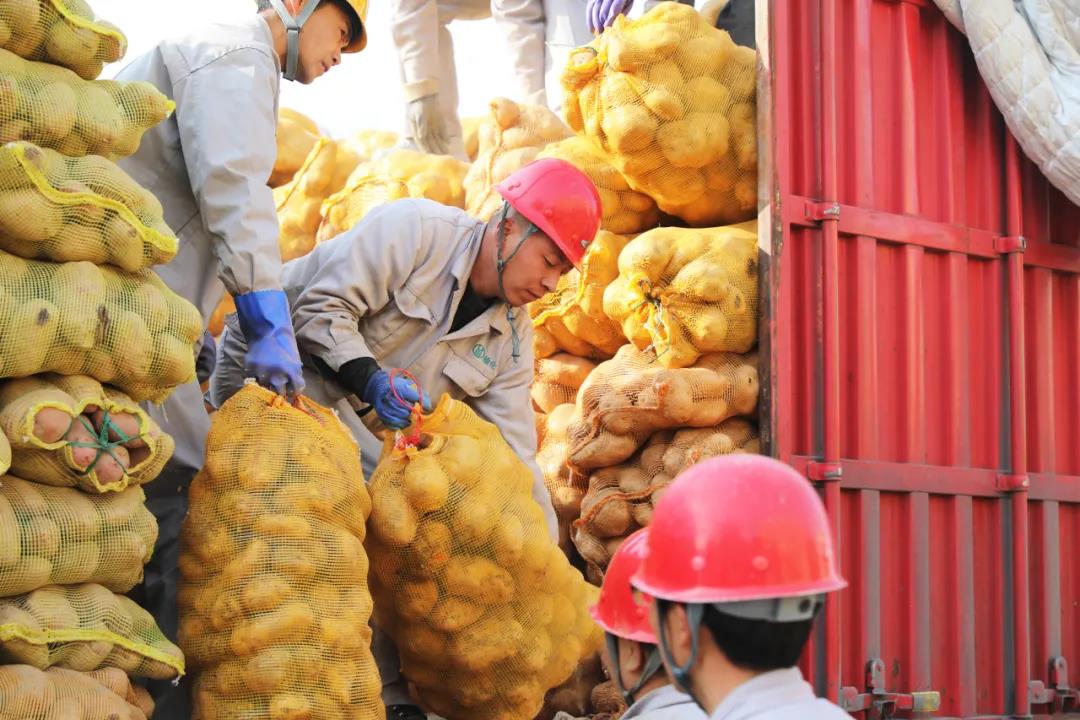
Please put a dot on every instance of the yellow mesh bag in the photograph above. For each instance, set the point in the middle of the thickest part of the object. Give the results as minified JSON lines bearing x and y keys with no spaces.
{"x":557,"y":379}
{"x":85,"y":627}
{"x":27,"y":693}
{"x":510,"y":138}
{"x":671,"y":100}
{"x":486,"y":611}
{"x":631,"y":396}
{"x":119,"y":683}
{"x":621,"y":498}
{"x":572,"y":317}
{"x":401,"y":174}
{"x":126,"y":329}
{"x":296,"y":135}
{"x":470,"y":128}
{"x":61,"y":536}
{"x":369,"y":143}
{"x":5,"y":454}
{"x":274,"y":604}
{"x":688,"y":292}
{"x":299,"y":201}
{"x":625,"y":211}
{"x":70,"y":431}
{"x":61,"y":32}
{"x":64,"y":209}
{"x":566,"y":487}
{"x":53,"y":107}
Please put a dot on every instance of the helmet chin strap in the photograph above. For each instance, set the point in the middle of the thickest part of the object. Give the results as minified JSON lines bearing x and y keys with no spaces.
{"x":500,"y":265}
{"x":680,"y":674}
{"x":292,"y":30}
{"x":652,"y":665}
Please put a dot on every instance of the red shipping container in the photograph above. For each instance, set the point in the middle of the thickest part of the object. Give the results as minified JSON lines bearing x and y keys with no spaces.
{"x":921,"y":350}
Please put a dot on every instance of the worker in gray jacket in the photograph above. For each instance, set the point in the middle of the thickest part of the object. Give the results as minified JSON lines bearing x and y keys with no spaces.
{"x":631,"y":657}
{"x":737,"y":562}
{"x":208,"y":165}
{"x":427,"y":288}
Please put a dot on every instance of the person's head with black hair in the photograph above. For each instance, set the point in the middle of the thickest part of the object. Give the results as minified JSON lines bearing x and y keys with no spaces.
{"x":310,"y":35}
{"x":738,"y":559}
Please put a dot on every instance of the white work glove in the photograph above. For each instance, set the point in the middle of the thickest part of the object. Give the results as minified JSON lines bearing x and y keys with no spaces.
{"x":428,"y":125}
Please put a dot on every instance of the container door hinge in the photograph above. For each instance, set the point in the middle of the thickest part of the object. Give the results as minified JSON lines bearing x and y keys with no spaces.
{"x":823,"y":471}
{"x":821,"y":211}
{"x":1006,"y":244}
{"x":1063,"y":697}
{"x":1012,"y":483}
{"x":879,"y":704}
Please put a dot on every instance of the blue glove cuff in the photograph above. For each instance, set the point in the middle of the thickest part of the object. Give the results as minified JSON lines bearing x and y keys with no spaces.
{"x":262,"y":313}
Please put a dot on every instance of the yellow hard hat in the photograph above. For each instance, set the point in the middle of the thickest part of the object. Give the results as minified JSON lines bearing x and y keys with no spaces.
{"x":360,"y":8}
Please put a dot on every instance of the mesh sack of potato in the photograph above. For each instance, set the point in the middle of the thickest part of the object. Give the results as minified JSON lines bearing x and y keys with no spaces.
{"x":85,"y":627}
{"x":671,"y":100}
{"x":53,"y":207}
{"x":273,"y":601}
{"x":71,"y":431}
{"x":621,"y":498}
{"x":216,"y":323}
{"x":369,"y":143}
{"x":296,"y":135}
{"x":509,"y":139}
{"x":573,"y":697}
{"x":566,"y":487}
{"x":486,"y":611}
{"x":298,"y":202}
{"x":27,"y":693}
{"x":624,"y":210}
{"x":60,"y":536}
{"x":53,"y":107}
{"x":60,"y":32}
{"x":628,"y":398}
{"x":125,"y":329}
{"x":401,"y":174}
{"x":572,"y":317}
{"x":557,"y":378}
{"x":685,"y":292}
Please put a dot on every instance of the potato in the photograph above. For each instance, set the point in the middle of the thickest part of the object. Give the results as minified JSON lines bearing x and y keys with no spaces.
{"x":454,"y":614}
{"x":493,"y":638}
{"x":425,"y":484}
{"x":430,"y":551}
{"x":288,"y":622}
{"x":478,"y":579}
{"x":394,"y":520}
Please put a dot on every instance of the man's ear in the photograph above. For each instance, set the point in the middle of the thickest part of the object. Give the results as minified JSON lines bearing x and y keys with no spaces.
{"x":679,"y":637}
{"x":631,"y":656}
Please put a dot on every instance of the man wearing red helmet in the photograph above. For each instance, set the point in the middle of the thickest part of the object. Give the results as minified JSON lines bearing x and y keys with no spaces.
{"x":422,"y":287}
{"x":631,"y":657}
{"x":738,"y":559}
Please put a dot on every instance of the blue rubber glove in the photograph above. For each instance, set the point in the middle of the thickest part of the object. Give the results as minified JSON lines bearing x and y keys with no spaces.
{"x":602,"y":13}
{"x":393,"y":413}
{"x":272,"y":358}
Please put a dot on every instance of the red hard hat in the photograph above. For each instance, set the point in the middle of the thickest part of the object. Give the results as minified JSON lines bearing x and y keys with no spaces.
{"x":560,"y":200}
{"x":738,"y":528}
{"x":617,"y":611}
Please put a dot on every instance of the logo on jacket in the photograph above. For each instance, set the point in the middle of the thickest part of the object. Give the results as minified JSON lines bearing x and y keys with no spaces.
{"x":480,"y":353}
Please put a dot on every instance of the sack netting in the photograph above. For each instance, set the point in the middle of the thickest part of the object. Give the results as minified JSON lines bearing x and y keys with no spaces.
{"x":486,"y":611}
{"x":565,"y":486}
{"x":686,"y":292}
{"x":72,"y":431}
{"x":53,"y":107}
{"x":671,"y":100}
{"x":401,"y":174}
{"x":620,"y":499}
{"x":61,"y":536}
{"x":53,"y":207}
{"x":624,"y":210}
{"x":510,"y":138}
{"x":299,"y":201}
{"x":572,"y":318}
{"x":628,"y":398}
{"x":61,"y":32}
{"x":296,"y":134}
{"x":27,"y":693}
{"x":274,"y":604}
{"x":126,"y":329}
{"x":85,"y":627}
{"x":557,"y":378}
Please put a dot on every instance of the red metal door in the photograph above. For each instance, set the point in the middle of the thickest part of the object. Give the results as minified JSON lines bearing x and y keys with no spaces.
{"x":922,"y":351}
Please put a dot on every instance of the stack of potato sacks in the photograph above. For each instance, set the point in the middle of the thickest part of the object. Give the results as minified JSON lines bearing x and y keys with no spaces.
{"x":87,"y":332}
{"x":645,"y":361}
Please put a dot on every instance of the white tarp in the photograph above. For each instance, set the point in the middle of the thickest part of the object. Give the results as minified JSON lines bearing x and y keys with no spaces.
{"x":1028,"y":52}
